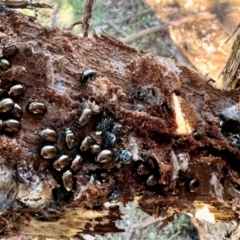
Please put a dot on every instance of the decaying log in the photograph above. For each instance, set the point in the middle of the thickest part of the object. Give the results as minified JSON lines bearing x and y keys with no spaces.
{"x":168,"y":139}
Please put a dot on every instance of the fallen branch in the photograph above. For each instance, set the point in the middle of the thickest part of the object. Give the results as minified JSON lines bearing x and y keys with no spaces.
{"x":164,"y":26}
{"x":25,"y":4}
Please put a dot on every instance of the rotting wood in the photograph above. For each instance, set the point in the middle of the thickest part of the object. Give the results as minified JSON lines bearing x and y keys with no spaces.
{"x":182,"y":134}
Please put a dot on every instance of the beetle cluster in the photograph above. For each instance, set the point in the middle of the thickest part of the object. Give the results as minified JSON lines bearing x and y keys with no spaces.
{"x":62,"y":161}
{"x":10,"y":111}
{"x":8,"y":53}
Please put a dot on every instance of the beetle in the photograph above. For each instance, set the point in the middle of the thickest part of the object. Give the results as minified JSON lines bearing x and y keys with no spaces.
{"x":104,"y":124}
{"x":11,"y":126}
{"x":17,"y":111}
{"x":123,"y":156}
{"x":4,"y":64}
{"x":70,"y":138}
{"x":37,"y":108}
{"x":85,"y":117}
{"x":61,"y":162}
{"x":193,"y":185}
{"x":108,"y":139}
{"x":6,"y":105}
{"x":87,"y":75}
{"x":77,"y":163}
{"x":16,"y":90}
{"x":104,"y":156}
{"x":9,"y":51}
{"x":49,"y":152}
{"x":48,"y":135}
{"x":151,"y":181}
{"x":86,"y":144}
{"x":67,"y":179}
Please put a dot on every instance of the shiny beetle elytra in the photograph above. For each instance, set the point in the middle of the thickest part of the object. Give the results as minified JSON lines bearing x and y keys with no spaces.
{"x":104,"y":156}
{"x":67,"y":179}
{"x":17,"y":111}
{"x":123,"y":156}
{"x":151,"y":181}
{"x":85,"y":117}
{"x":49,"y":152}
{"x":11,"y":126}
{"x":9,"y":51}
{"x":4,"y":64}
{"x":86,"y":144}
{"x":48,"y":135}
{"x":1,"y":124}
{"x":95,"y":148}
{"x":61,"y":162}
{"x":104,"y":124}
{"x":6,"y":105}
{"x":108,"y":139}
{"x":117,"y":130}
{"x":16,"y":90}
{"x":37,"y":108}
{"x":70,"y":138}
{"x":87,"y":75}
{"x":77,"y":163}
{"x":194,"y":185}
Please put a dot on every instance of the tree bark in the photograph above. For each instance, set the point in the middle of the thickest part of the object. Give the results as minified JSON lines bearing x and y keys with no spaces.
{"x":180,"y":133}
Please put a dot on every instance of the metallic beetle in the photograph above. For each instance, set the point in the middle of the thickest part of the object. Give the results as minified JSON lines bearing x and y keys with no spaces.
{"x":86,"y":144}
{"x":49,"y":152}
{"x":9,"y":51}
{"x":104,"y":124}
{"x":77,"y":163}
{"x":70,"y":139}
{"x":17,"y":111}
{"x":87,"y":75}
{"x":61,"y":162}
{"x":6,"y":105}
{"x":85,"y":117}
{"x":16,"y":90}
{"x":67,"y":179}
{"x":95,"y":148}
{"x":37,"y":108}
{"x":104,"y":156}
{"x":194,"y":185}
{"x":151,"y":181}
{"x":11,"y":126}
{"x":48,"y":135}
{"x":123,"y":156}
{"x":4,"y":64}
{"x":108,"y":139}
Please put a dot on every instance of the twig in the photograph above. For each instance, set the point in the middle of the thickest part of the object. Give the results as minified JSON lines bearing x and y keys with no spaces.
{"x":117,"y":28}
{"x":238,"y":26}
{"x":147,"y":222}
{"x":174,"y":235}
{"x":73,"y":25}
{"x":87,"y":16}
{"x":162,"y":27}
{"x":24,"y":4}
{"x":85,"y":20}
